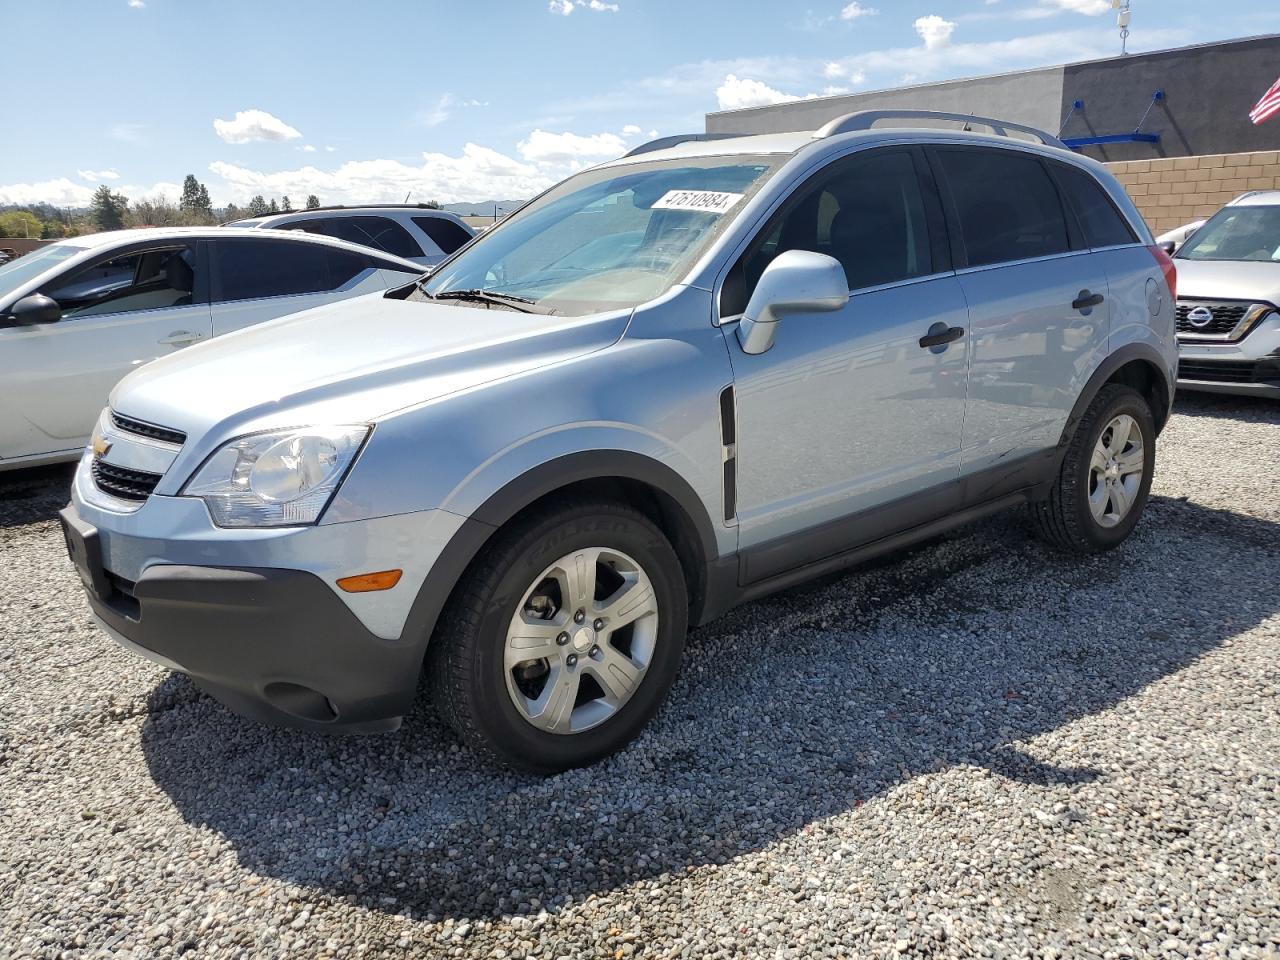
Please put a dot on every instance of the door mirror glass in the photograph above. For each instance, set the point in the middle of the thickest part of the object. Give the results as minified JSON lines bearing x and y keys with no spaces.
{"x":797,"y":281}
{"x":1168,"y":246}
{"x":35,"y":309}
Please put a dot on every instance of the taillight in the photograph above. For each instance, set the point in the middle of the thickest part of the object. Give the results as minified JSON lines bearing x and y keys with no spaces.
{"x":1170,"y":270}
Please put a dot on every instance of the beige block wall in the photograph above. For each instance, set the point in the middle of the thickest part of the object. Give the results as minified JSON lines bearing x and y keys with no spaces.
{"x":1174,"y":191}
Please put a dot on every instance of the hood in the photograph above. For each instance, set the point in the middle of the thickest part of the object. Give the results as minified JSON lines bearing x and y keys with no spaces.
{"x":1229,"y":280}
{"x":350,"y":362}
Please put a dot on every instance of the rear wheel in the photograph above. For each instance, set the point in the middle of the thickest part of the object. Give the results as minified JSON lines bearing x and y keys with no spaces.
{"x":1105,"y":477}
{"x":563,"y":639}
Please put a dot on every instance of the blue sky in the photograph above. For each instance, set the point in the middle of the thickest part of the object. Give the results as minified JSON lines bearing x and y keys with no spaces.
{"x":480,"y":99}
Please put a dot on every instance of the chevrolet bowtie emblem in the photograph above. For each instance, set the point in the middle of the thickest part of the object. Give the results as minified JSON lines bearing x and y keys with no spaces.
{"x":100,"y":447}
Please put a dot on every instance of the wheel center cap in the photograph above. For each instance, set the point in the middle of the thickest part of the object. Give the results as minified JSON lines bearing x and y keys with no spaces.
{"x":1113,"y":471}
{"x":584,"y":639}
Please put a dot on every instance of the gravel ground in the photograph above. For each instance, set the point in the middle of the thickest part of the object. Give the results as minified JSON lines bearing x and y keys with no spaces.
{"x":975,"y":748}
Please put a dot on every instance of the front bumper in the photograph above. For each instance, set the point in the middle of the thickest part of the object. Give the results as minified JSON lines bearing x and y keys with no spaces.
{"x":1250,"y":366}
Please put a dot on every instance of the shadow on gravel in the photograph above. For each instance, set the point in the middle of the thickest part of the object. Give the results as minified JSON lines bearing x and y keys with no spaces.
{"x":29,"y":496}
{"x":1221,"y":405}
{"x":790,"y":710}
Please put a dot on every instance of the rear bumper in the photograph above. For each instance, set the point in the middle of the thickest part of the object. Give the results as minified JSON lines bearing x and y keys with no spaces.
{"x":273,"y":645}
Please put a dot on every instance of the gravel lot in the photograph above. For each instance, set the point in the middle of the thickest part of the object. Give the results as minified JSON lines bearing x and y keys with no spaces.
{"x":976,"y":748}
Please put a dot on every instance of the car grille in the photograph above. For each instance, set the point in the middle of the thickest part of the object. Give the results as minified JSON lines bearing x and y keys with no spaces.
{"x":148,"y":430}
{"x":1226,"y":317}
{"x":122,"y":483}
{"x":1221,"y":371}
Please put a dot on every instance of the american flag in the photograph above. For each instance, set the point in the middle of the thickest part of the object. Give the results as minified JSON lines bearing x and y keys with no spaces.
{"x":1268,"y":106}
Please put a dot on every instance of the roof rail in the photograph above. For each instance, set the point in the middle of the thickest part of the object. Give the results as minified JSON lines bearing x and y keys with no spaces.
{"x":866,"y":119}
{"x":663,"y":142}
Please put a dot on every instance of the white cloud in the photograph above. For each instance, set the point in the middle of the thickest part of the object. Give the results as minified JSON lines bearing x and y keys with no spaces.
{"x":833,"y":70}
{"x":93,"y":176}
{"x":566,"y":7}
{"x":839,"y":71}
{"x":630,"y":130}
{"x":736,"y":93}
{"x":250,"y":125}
{"x":479,"y":173}
{"x":60,"y":192}
{"x":439,"y":113}
{"x":330,"y":149}
{"x":126,"y":132}
{"x":855,"y":10}
{"x":137,"y":4}
{"x":1090,"y":8}
{"x":307,"y":148}
{"x":935,"y":31}
{"x":542,"y":147}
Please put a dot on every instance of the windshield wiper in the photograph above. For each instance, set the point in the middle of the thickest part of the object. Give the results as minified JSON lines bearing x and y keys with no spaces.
{"x":489,"y":296}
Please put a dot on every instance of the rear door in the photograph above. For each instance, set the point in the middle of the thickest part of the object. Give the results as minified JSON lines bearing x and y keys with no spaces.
{"x":257,"y":280}
{"x":1038,"y":308}
{"x":119,"y":311}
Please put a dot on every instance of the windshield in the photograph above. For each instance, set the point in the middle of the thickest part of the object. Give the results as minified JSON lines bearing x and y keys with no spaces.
{"x":1237,"y":233}
{"x":16,"y":273}
{"x":606,"y":239}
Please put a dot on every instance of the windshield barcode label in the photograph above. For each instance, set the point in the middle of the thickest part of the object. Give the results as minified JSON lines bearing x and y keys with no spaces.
{"x":705,"y":201}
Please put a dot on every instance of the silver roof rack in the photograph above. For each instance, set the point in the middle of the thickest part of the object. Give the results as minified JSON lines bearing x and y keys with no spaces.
{"x":663,"y":142}
{"x":866,"y":119}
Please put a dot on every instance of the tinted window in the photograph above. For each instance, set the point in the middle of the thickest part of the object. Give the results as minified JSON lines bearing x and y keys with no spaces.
{"x":445,"y":234}
{"x":380,"y":233}
{"x":248,"y":269}
{"x":868,"y":213}
{"x":142,"y":280}
{"x":1008,"y":207}
{"x":1102,"y":222}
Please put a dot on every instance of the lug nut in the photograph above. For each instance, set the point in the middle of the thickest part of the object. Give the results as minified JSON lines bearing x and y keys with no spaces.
{"x":579,"y":616}
{"x":562,"y":639}
{"x":595,"y":651}
{"x":598,"y":625}
{"x":572,"y":660}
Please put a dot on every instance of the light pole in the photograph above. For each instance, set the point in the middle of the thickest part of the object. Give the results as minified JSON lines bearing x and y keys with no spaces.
{"x":1122,"y":21}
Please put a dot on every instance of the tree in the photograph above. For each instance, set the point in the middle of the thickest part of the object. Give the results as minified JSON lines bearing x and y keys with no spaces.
{"x":195,"y":198}
{"x":432,"y":204}
{"x":257,"y":206}
{"x":154,"y":212}
{"x":232,"y":212}
{"x":20,"y":223}
{"x":313,"y":202}
{"x":107,"y":209}
{"x":274,"y":207}
{"x":285,"y":205}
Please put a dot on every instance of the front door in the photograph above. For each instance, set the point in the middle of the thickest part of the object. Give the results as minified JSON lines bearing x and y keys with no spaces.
{"x":118,"y":313}
{"x":847,"y":411}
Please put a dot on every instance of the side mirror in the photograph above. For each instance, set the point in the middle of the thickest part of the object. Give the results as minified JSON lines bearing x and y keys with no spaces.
{"x":1168,"y":246}
{"x":35,"y":309}
{"x":797,"y":281}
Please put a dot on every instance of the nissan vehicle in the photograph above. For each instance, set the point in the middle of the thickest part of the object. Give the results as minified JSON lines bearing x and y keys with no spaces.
{"x":1229,"y":299}
{"x":417,"y":232}
{"x":672,"y":383}
{"x":78,"y":314}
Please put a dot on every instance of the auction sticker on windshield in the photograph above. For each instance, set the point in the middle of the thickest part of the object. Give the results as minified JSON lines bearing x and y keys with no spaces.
{"x":704,"y":201}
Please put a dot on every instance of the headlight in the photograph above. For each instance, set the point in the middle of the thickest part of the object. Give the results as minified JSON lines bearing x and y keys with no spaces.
{"x":282,"y":478}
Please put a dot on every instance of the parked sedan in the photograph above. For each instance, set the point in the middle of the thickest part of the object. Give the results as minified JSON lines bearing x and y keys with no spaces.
{"x":78,"y":314}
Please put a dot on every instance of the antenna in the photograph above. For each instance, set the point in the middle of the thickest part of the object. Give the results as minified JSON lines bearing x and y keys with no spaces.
{"x":1122,"y":21}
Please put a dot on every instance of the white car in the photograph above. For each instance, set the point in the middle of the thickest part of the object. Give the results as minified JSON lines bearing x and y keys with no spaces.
{"x":420,"y":233}
{"x":1175,"y":238}
{"x":79,"y":314}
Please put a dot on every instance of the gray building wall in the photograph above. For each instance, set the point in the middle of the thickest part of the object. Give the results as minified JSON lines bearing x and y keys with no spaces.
{"x":1209,"y":90}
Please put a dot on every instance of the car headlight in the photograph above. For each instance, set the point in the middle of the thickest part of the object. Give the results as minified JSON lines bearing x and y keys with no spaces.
{"x":281,"y":478}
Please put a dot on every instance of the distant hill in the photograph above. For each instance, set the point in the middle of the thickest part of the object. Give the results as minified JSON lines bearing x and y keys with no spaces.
{"x":482,"y":208}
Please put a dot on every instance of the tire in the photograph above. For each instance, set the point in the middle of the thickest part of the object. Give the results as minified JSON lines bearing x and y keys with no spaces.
{"x":1065,"y":519}
{"x":490,"y":704}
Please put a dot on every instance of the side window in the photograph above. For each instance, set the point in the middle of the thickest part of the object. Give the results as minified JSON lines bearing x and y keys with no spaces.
{"x":250,"y":269}
{"x":445,"y":234}
{"x":1102,"y":222}
{"x":347,"y":265}
{"x":869,"y":212}
{"x":141,"y":280}
{"x":1007,"y":205}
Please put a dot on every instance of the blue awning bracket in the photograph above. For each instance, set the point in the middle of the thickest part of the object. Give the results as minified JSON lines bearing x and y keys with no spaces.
{"x":1137,"y":136}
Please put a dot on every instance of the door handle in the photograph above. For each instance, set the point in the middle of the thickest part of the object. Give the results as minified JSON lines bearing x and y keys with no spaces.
{"x":180,"y":338}
{"x":1086,"y":300}
{"x":940,"y":335}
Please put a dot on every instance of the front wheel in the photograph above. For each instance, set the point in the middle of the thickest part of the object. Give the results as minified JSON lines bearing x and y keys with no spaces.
{"x":1105,"y":477}
{"x":563,"y":639}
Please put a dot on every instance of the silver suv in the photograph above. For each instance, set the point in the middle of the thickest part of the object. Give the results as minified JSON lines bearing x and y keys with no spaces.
{"x":1229,"y":299}
{"x":670,"y":384}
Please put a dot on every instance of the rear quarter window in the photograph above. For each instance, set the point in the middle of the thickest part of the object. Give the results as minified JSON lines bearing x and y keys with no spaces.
{"x":1103,"y":224}
{"x":444,"y":233}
